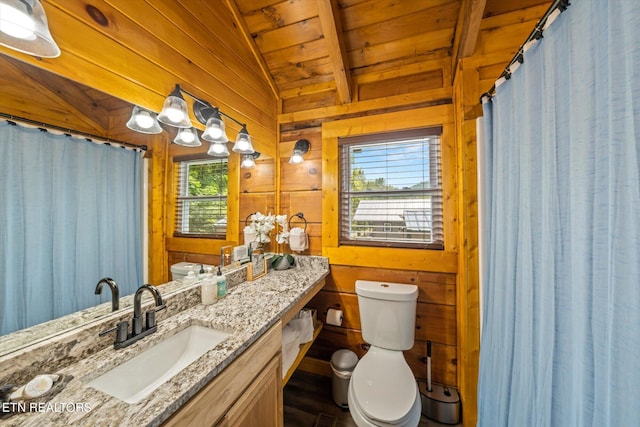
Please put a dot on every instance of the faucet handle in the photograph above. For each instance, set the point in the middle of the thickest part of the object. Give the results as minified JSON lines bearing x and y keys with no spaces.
{"x":151,"y":318}
{"x":121,"y":331}
{"x":151,"y":315}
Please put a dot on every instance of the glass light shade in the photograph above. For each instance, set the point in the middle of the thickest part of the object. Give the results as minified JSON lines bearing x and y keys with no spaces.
{"x":243,"y":142}
{"x":24,"y":27}
{"x":247,"y":161}
{"x":187,"y":137}
{"x":143,"y":121}
{"x":215,"y":132}
{"x":218,"y":149}
{"x":175,"y":111}
{"x":301,"y":148}
{"x":296,"y":157}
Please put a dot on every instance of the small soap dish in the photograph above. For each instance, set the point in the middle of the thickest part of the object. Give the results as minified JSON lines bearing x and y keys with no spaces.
{"x":40,"y":389}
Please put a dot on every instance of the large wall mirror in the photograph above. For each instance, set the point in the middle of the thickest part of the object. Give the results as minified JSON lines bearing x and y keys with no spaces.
{"x":32,"y":93}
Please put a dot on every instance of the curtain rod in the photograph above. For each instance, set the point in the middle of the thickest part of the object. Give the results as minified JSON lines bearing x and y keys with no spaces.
{"x":536,"y":34}
{"x":88,"y":136}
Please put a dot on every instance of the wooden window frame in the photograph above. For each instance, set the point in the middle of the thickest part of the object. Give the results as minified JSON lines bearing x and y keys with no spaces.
{"x":178,"y":164}
{"x":403,"y":258}
{"x":347,"y":144}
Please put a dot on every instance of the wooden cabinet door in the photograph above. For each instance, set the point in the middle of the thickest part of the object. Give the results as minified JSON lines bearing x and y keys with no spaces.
{"x":261,"y":404}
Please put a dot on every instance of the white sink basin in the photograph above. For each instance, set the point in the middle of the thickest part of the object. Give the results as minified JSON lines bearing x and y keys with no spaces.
{"x":136,"y":378}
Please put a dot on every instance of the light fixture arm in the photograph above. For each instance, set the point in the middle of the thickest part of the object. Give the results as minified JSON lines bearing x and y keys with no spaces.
{"x":244,"y":125}
{"x":203,"y":114}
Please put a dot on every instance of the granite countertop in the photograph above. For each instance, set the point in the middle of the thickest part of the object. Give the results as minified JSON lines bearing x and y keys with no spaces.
{"x":248,"y":311}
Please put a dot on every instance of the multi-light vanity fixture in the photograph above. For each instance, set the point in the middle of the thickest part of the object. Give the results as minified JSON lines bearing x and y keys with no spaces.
{"x":175,"y":113}
{"x":23,"y":27}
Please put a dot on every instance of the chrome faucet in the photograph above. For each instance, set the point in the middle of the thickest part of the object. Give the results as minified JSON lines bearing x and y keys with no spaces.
{"x":125,"y":339}
{"x":115,"y":293}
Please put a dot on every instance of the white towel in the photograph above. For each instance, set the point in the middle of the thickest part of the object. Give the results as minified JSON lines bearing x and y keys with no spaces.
{"x":290,"y":347}
{"x":290,"y":334}
{"x":298,"y":239}
{"x":249,"y":235}
{"x":304,"y":324}
{"x":289,"y":354}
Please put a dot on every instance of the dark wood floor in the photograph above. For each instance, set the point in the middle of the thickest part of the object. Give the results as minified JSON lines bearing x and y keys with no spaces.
{"x":308,"y":403}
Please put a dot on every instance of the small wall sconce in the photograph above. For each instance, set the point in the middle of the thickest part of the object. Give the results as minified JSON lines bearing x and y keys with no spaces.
{"x":249,"y":160}
{"x":23,"y":27}
{"x":302,"y":147}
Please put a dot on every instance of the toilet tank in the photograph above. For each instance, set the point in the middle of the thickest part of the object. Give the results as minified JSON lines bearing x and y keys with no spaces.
{"x":387,"y":313}
{"x":180,"y":270}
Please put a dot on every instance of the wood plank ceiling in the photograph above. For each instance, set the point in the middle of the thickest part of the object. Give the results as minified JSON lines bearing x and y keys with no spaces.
{"x":314,"y":53}
{"x":330,"y":52}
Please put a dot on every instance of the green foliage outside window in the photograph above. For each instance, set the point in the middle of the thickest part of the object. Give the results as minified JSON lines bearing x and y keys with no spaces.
{"x":202,"y":198}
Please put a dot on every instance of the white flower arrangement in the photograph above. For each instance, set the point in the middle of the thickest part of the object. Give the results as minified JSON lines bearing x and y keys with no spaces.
{"x":261,"y":226}
{"x":259,"y":231}
{"x":283,"y":235}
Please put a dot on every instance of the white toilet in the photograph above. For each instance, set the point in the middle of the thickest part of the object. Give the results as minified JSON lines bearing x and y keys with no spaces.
{"x":382,"y":389}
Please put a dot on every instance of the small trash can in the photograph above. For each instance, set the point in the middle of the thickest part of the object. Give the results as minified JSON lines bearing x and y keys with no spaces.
{"x":343,"y":362}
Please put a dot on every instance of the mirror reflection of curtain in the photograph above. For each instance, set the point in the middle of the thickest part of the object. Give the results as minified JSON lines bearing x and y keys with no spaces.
{"x":561,"y":332}
{"x":70,"y":214}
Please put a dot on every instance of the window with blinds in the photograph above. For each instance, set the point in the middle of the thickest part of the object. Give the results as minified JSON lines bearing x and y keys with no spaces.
{"x":391,"y":189}
{"x":201,"y":199}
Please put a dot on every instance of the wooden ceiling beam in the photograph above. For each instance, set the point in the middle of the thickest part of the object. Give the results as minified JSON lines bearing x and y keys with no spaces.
{"x":332,"y":29}
{"x":237,"y":15}
{"x":467,"y":29}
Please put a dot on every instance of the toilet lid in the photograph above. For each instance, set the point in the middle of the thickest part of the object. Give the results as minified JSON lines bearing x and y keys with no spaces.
{"x":384,"y":385}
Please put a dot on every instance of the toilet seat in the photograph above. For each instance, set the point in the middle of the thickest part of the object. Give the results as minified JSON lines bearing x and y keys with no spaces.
{"x":384,"y":387}
{"x":411,"y":419}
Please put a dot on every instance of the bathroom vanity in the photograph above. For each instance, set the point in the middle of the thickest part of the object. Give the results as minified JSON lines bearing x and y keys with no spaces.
{"x":237,"y":382}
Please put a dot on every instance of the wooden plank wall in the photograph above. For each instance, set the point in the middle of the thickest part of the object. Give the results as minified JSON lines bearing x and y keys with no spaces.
{"x":436,"y":317}
{"x":433,"y":271}
{"x":257,"y":192}
{"x":301,"y":185}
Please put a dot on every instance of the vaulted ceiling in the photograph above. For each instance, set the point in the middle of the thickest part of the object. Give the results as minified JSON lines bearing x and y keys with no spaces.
{"x":306,"y":43}
{"x":312,"y":52}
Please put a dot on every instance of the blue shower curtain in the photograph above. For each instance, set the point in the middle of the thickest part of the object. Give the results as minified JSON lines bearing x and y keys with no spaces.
{"x":70,"y":214}
{"x":560,"y":339}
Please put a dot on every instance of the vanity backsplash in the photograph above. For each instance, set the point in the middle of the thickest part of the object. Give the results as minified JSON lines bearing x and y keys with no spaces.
{"x":66,"y":348}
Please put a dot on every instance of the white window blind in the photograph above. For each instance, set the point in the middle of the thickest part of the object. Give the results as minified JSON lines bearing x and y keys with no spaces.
{"x":201,"y":199}
{"x":391,"y":189}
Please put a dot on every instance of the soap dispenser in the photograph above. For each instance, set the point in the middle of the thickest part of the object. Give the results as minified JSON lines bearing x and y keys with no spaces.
{"x":221,"y":284}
